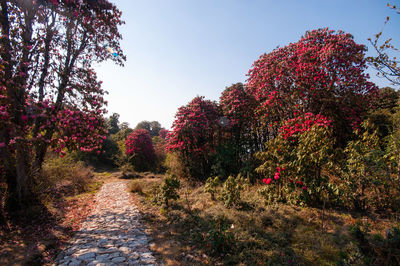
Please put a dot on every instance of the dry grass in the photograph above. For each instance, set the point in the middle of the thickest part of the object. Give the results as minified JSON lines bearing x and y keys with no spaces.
{"x":136,"y":187}
{"x":263,"y":235}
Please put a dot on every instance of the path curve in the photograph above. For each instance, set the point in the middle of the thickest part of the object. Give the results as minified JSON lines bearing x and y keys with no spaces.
{"x":112,"y":234}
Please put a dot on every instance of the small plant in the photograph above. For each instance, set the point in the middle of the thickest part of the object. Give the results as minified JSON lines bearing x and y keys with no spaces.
{"x":167,"y":190}
{"x":136,"y":187}
{"x":128,"y":171}
{"x":211,"y":186}
{"x":231,"y":191}
{"x":219,"y":239}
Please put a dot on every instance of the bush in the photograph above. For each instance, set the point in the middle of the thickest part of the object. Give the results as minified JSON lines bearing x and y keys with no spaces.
{"x":140,"y":147}
{"x":375,"y":249}
{"x":175,"y":165}
{"x":128,"y":171}
{"x":136,"y":187}
{"x":211,"y":186}
{"x":369,"y":182}
{"x":167,"y":190}
{"x":297,"y":163}
{"x":56,"y":170}
{"x":231,"y":191}
{"x":219,"y":239}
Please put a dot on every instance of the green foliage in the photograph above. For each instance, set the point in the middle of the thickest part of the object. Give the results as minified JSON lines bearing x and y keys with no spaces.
{"x":375,"y":249}
{"x":231,"y":191}
{"x":113,"y":124}
{"x":366,"y":170}
{"x":211,"y":186}
{"x":219,"y":239}
{"x":225,"y":161}
{"x":106,"y":156}
{"x":153,"y":127}
{"x":167,"y":190}
{"x":175,"y":165}
{"x":301,"y":167}
{"x":160,"y":152}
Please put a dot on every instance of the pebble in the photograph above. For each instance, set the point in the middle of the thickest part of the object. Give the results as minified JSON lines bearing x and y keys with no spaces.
{"x":112,"y":234}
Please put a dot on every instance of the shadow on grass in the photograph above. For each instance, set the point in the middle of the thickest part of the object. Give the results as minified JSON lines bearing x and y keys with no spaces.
{"x":226,"y":240}
{"x":33,"y":238}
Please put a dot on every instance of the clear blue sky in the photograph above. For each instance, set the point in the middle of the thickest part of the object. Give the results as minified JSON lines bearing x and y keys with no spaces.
{"x":178,"y":49}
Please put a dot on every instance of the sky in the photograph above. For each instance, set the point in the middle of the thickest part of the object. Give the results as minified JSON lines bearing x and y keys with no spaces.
{"x":179,"y":49}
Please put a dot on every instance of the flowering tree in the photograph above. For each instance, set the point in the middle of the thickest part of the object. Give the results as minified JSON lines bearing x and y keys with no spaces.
{"x":49,"y":92}
{"x":163,"y":133}
{"x":193,"y":135}
{"x":140,"y":146}
{"x":239,"y":131}
{"x":323,"y":73}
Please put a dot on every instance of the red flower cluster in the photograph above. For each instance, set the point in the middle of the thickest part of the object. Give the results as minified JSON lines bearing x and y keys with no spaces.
{"x":303,"y":123}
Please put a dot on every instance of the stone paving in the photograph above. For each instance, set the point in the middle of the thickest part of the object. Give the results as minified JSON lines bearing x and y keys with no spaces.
{"x":112,"y":234}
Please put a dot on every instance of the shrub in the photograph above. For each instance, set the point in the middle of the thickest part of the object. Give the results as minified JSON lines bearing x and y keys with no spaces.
{"x":128,"y":171}
{"x":211,"y":186}
{"x":193,"y":136}
{"x":56,"y":170}
{"x":219,"y":239}
{"x":231,"y":191}
{"x":367,"y":176}
{"x":175,"y":165}
{"x":167,"y":190}
{"x":296,"y":163}
{"x":136,"y":187}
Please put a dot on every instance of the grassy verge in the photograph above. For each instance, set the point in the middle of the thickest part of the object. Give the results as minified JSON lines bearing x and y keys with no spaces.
{"x":197,"y":230}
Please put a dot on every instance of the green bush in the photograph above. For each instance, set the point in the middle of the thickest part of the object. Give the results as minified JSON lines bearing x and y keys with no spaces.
{"x":167,"y":190}
{"x":211,"y":186}
{"x":219,"y":239}
{"x":300,"y":167}
{"x":231,"y":191}
{"x":369,"y":183}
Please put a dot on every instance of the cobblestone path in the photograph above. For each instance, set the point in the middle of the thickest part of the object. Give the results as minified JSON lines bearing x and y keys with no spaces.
{"x":112,"y":234}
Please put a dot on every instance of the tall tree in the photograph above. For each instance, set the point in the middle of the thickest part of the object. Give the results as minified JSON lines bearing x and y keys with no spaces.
{"x":153,"y":127}
{"x":113,"y":124}
{"x":49,"y":92}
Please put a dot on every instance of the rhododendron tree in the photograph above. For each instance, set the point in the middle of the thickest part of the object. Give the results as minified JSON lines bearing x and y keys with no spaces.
{"x":49,"y":92}
{"x":239,"y":133}
{"x":193,"y":135}
{"x":294,"y":162}
{"x":140,"y":146}
{"x":163,"y":133}
{"x":323,"y":73}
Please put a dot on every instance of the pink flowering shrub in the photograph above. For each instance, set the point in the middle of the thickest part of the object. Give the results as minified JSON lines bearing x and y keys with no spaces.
{"x":140,"y":146}
{"x":295,"y":163}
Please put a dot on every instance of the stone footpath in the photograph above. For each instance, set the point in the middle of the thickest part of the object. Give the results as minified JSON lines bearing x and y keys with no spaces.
{"x":112,"y":234}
